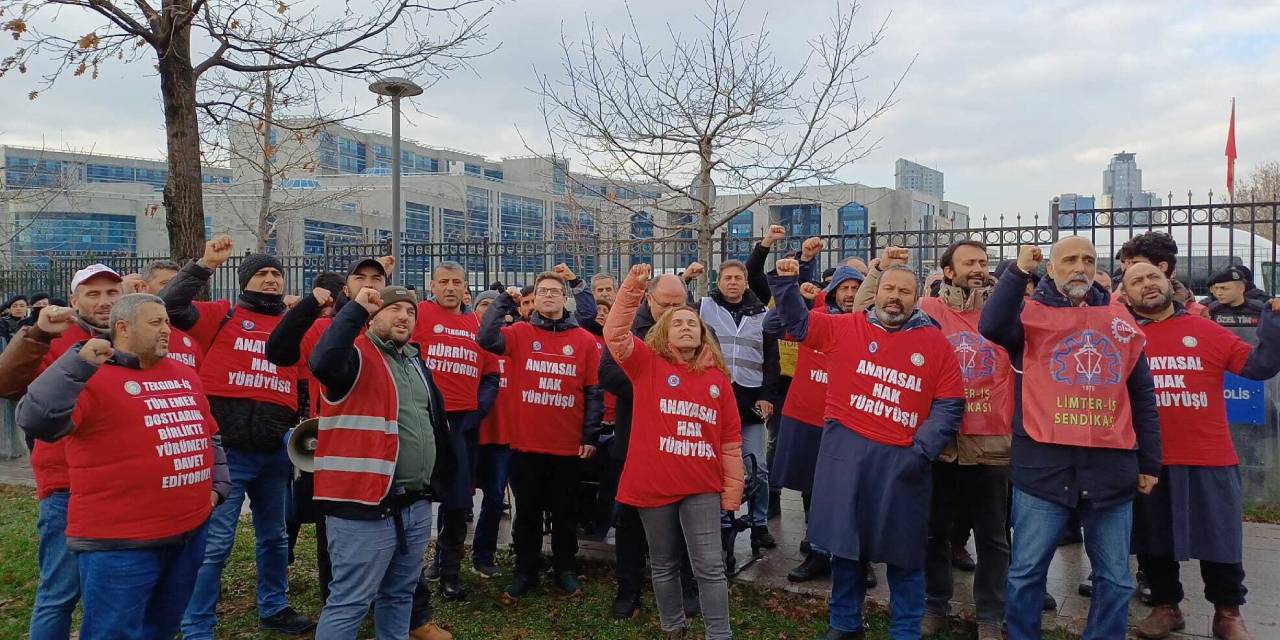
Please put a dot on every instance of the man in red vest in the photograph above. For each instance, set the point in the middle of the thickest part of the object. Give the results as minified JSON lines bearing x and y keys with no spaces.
{"x":137,"y":430}
{"x":553,"y":371}
{"x":1159,"y":249}
{"x":1196,"y":509}
{"x":153,"y":279}
{"x":94,"y":291}
{"x":892,"y":406}
{"x":255,"y":403}
{"x":383,"y":453}
{"x":1086,"y":432}
{"x":468,"y":379}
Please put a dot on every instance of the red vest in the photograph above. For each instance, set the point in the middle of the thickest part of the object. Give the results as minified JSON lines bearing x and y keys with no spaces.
{"x":310,"y":339}
{"x":359,"y":438}
{"x":235,"y":363}
{"x":1075,"y":367}
{"x":807,"y":398}
{"x":448,"y":344}
{"x":548,"y":370}
{"x":183,"y":348}
{"x":680,"y":422}
{"x":887,"y":381}
{"x":140,"y":455}
{"x":49,"y":459}
{"x":1188,"y":356}
{"x":496,"y":426}
{"x":985,"y":367}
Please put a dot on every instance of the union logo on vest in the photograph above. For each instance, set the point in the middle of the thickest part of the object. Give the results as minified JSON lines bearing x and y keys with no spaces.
{"x":977,"y":357}
{"x":248,"y":325}
{"x":673,"y":380}
{"x":1086,"y":358}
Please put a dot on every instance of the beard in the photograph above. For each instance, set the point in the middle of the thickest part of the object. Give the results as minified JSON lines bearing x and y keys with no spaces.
{"x":890,"y":318}
{"x":1077,"y":287}
{"x":1157,"y":306}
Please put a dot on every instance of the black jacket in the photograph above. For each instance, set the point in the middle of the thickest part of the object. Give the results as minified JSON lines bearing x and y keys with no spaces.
{"x":1245,"y":315}
{"x":490,"y":338}
{"x":336,"y":363}
{"x":1064,"y":474}
{"x":615,"y":381}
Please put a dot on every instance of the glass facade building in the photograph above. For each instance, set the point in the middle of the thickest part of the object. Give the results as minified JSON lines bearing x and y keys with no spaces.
{"x":51,"y":233}
{"x":520,"y":219}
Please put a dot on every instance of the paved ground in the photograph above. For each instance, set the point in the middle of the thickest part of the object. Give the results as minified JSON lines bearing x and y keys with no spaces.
{"x":1070,"y":566}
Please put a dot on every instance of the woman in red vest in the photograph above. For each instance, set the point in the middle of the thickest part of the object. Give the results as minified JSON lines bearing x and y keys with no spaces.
{"x":684,"y":465}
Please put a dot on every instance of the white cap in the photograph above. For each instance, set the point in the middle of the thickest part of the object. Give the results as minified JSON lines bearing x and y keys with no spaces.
{"x":92,"y":271}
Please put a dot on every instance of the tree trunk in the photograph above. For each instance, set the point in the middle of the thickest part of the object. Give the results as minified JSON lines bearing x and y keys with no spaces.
{"x":264,"y":208}
{"x":183,"y":192}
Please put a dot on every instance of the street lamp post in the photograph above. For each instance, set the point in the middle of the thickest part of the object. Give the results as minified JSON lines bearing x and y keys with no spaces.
{"x":395,"y":88}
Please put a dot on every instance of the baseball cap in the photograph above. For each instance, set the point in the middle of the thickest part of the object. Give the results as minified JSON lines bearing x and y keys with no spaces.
{"x":362,"y":262}
{"x":396,"y":293}
{"x":93,"y":271}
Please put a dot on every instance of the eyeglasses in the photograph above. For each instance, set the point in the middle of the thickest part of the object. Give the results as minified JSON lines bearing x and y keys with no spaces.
{"x":548,"y":292}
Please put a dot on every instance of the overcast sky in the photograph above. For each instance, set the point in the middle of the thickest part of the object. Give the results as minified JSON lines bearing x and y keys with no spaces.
{"x":1013,"y":104}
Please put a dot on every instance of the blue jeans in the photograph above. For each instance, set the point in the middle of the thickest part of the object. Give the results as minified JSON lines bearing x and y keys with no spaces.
{"x":1037,"y":524}
{"x":264,"y":478}
{"x":849,"y":589}
{"x":369,"y":567}
{"x":59,"y":588}
{"x":494,"y":467}
{"x":138,"y":594}
{"x":754,"y":437}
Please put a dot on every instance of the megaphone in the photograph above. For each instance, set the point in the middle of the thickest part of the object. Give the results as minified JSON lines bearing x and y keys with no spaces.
{"x":301,"y":443}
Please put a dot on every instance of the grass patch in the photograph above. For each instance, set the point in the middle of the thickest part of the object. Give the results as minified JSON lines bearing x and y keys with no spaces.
{"x":1266,"y":513}
{"x":757,"y":613}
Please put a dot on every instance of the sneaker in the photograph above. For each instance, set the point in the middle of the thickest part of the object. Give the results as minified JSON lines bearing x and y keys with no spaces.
{"x":287,"y":621}
{"x":520,"y":587}
{"x":1085,"y":588}
{"x":567,"y":581}
{"x":1049,"y":603}
{"x":960,"y":559}
{"x":933,"y":624}
{"x":760,"y":537}
{"x":815,"y":566}
{"x":627,"y":603}
{"x":451,"y":588}
{"x":486,"y":569}
{"x":836,"y":634}
{"x":805,"y":549}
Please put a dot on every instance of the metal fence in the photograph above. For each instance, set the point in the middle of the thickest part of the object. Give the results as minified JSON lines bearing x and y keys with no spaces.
{"x":1210,"y":238}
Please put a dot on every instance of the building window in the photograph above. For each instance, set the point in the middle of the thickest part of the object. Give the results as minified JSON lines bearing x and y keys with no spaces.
{"x":51,"y":234}
{"x":426,"y":164}
{"x":577,"y":242}
{"x":319,"y":235}
{"x":23,"y":172}
{"x":520,"y":220}
{"x":352,"y":155}
{"x":854,"y":239}
{"x":558,"y":178}
{"x":417,"y":222}
{"x":642,"y":229}
{"x":739,"y":236}
{"x":478,"y":208}
{"x":493,"y":174}
{"x":108,"y":173}
{"x":801,"y":220}
{"x":472,"y":169}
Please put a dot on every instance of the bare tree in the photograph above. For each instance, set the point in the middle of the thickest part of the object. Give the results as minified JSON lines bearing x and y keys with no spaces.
{"x":190,"y":38}
{"x":715,"y":111}
{"x":1261,"y":185}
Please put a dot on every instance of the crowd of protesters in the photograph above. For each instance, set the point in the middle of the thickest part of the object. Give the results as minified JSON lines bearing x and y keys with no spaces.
{"x":1028,"y":404}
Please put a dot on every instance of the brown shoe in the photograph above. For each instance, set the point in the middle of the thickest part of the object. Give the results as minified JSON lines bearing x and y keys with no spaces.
{"x":1228,"y":624}
{"x":1164,"y":620}
{"x":430,"y":631}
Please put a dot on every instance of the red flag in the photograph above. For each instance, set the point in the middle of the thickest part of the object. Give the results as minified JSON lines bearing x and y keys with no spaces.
{"x":1231,"y":153}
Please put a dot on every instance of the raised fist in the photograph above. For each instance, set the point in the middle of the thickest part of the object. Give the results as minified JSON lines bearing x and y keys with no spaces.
{"x":565,"y":272}
{"x":291,"y":301}
{"x":788,"y":267}
{"x":55,"y":320}
{"x":811,"y":248}
{"x":388,"y":263}
{"x":216,"y":252}
{"x":1029,"y":258}
{"x":893,"y":257}
{"x":133,"y":283}
{"x":96,"y":351}
{"x":776,"y":232}
{"x":693,"y":271}
{"x":323,"y":296}
{"x":370,"y":299}
{"x":809,"y":290}
{"x":641,"y":272}
{"x":1274,"y":303}
{"x":514,"y":292}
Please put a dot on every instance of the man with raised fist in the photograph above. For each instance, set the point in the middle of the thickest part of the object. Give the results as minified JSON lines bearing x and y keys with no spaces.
{"x":1086,"y":435}
{"x":383,"y":453}
{"x":146,"y":468}
{"x":255,"y":402}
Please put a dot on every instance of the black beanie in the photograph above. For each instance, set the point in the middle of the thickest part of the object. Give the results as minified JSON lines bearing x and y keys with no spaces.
{"x":255,"y":262}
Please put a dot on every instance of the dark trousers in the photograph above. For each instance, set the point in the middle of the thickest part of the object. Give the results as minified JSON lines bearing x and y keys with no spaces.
{"x":452,"y":522}
{"x":987,"y":488}
{"x":493,"y":467}
{"x":1223,"y":583}
{"x":545,"y":483}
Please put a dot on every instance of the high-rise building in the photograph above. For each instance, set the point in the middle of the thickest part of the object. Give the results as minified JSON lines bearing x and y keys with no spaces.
{"x":917,"y":177}
{"x":1122,"y":184}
